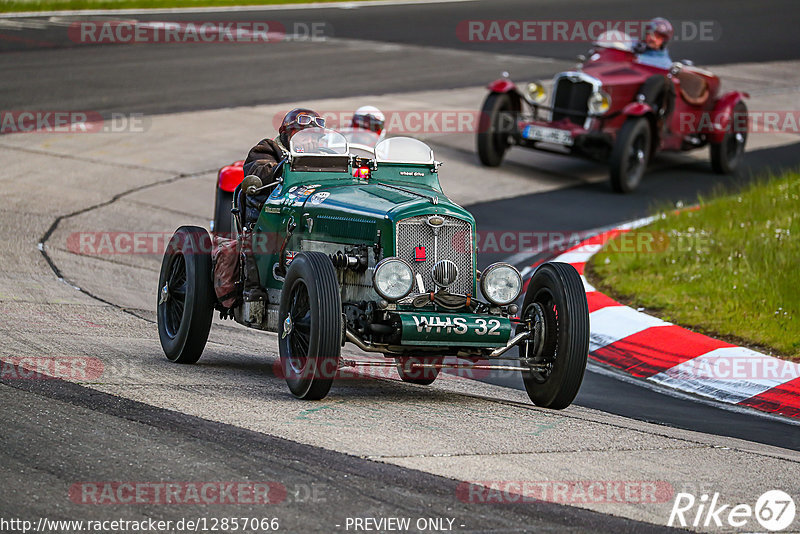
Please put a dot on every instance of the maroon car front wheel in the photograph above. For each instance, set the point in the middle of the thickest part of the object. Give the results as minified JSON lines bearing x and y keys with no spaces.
{"x":630,"y":155}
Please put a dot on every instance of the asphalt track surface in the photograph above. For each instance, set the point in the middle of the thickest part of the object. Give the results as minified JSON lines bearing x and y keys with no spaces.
{"x":167,"y":78}
{"x":44,"y":69}
{"x":128,"y":440}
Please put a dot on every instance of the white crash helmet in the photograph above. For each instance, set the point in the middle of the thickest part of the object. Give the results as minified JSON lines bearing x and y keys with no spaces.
{"x":369,"y":118}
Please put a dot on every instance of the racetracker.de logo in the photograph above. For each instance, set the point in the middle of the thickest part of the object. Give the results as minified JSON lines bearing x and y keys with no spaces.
{"x":50,"y":367}
{"x":408,"y":121}
{"x":363,"y":369}
{"x":565,"y":492}
{"x":575,"y":31}
{"x":752,"y":122}
{"x":117,"y":492}
{"x":51,"y":121}
{"x":141,"y":32}
{"x":533,"y":242}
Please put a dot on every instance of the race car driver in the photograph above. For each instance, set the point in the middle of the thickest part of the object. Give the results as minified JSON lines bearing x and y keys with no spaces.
{"x":653,"y":49}
{"x":264,"y":157}
{"x":369,"y":118}
{"x":262,"y":161}
{"x":658,"y":90}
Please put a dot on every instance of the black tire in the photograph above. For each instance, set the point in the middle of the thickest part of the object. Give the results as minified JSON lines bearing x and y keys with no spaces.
{"x":423,"y":376}
{"x":185,"y":305}
{"x":728,"y":154}
{"x":497,"y":122}
{"x":630,"y":155}
{"x":310,"y":349}
{"x":222,"y":213}
{"x":556,"y":293}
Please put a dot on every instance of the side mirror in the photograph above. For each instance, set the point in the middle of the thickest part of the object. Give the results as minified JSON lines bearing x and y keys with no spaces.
{"x":250,"y":184}
{"x":675,"y":68}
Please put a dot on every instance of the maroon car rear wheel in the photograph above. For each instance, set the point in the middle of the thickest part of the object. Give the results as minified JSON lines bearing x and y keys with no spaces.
{"x":495,"y":127}
{"x":728,"y":154}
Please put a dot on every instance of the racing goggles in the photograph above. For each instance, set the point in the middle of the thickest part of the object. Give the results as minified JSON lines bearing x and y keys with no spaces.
{"x":306,"y":120}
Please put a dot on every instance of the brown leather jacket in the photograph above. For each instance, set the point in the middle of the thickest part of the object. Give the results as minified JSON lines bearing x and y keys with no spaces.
{"x":263,"y":158}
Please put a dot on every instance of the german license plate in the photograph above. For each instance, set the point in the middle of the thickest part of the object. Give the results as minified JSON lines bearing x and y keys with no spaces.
{"x":548,"y":135}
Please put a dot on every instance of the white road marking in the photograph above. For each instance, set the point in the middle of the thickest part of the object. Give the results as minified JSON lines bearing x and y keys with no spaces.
{"x":611,"y":324}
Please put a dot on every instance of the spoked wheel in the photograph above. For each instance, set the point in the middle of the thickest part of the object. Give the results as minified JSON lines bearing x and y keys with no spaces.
{"x":222,"y":213}
{"x":728,"y":154}
{"x":555,"y":309}
{"x":630,"y":155}
{"x":496,"y":125}
{"x":185,"y":295}
{"x":310,"y":335}
{"x":423,"y":376}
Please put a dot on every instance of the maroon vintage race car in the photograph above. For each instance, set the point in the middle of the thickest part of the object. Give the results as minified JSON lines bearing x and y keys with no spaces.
{"x":599,"y":112}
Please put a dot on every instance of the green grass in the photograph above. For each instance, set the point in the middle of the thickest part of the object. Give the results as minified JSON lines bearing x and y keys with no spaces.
{"x":731,"y":268}
{"x":60,"y":5}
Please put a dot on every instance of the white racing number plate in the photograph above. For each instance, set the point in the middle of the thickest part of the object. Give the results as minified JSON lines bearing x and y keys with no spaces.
{"x":548,"y":135}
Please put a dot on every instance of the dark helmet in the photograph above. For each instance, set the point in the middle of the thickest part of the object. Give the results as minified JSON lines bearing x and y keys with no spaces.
{"x":660,"y":26}
{"x":369,"y":118}
{"x":296,"y":120}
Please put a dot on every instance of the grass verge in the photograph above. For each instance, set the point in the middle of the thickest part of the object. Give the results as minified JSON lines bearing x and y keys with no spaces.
{"x":730,"y":269}
{"x":7,"y":6}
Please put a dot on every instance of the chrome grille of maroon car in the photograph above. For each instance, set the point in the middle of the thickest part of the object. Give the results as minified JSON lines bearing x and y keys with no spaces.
{"x":573,"y":96}
{"x":454,"y":243}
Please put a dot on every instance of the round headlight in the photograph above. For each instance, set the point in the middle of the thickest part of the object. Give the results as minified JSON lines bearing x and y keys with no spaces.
{"x":444,"y":273}
{"x":599,"y":103}
{"x":536,"y":92}
{"x":393,"y":278}
{"x":501,"y":284}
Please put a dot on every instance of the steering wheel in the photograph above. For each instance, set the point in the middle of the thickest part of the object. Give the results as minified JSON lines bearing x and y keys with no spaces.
{"x":326,"y":150}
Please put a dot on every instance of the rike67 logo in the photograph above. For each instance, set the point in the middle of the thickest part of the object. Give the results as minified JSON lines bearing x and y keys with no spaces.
{"x":774,"y":511}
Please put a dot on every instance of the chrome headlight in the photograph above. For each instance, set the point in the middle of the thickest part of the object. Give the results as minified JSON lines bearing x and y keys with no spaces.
{"x":501,"y":284}
{"x":599,"y":103}
{"x":536,"y":92}
{"x":393,"y":278}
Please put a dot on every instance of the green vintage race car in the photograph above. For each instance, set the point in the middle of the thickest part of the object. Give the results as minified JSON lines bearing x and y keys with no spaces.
{"x":371,"y":252}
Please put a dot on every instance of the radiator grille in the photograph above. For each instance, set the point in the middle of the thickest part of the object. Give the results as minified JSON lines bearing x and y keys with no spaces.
{"x":574,"y":97}
{"x":454,"y":243}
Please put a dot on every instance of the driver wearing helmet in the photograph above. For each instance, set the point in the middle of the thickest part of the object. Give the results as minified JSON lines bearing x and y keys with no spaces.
{"x":369,"y":118}
{"x":653,"y":49}
{"x":264,"y":157}
{"x":262,"y":161}
{"x":658,"y":91}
